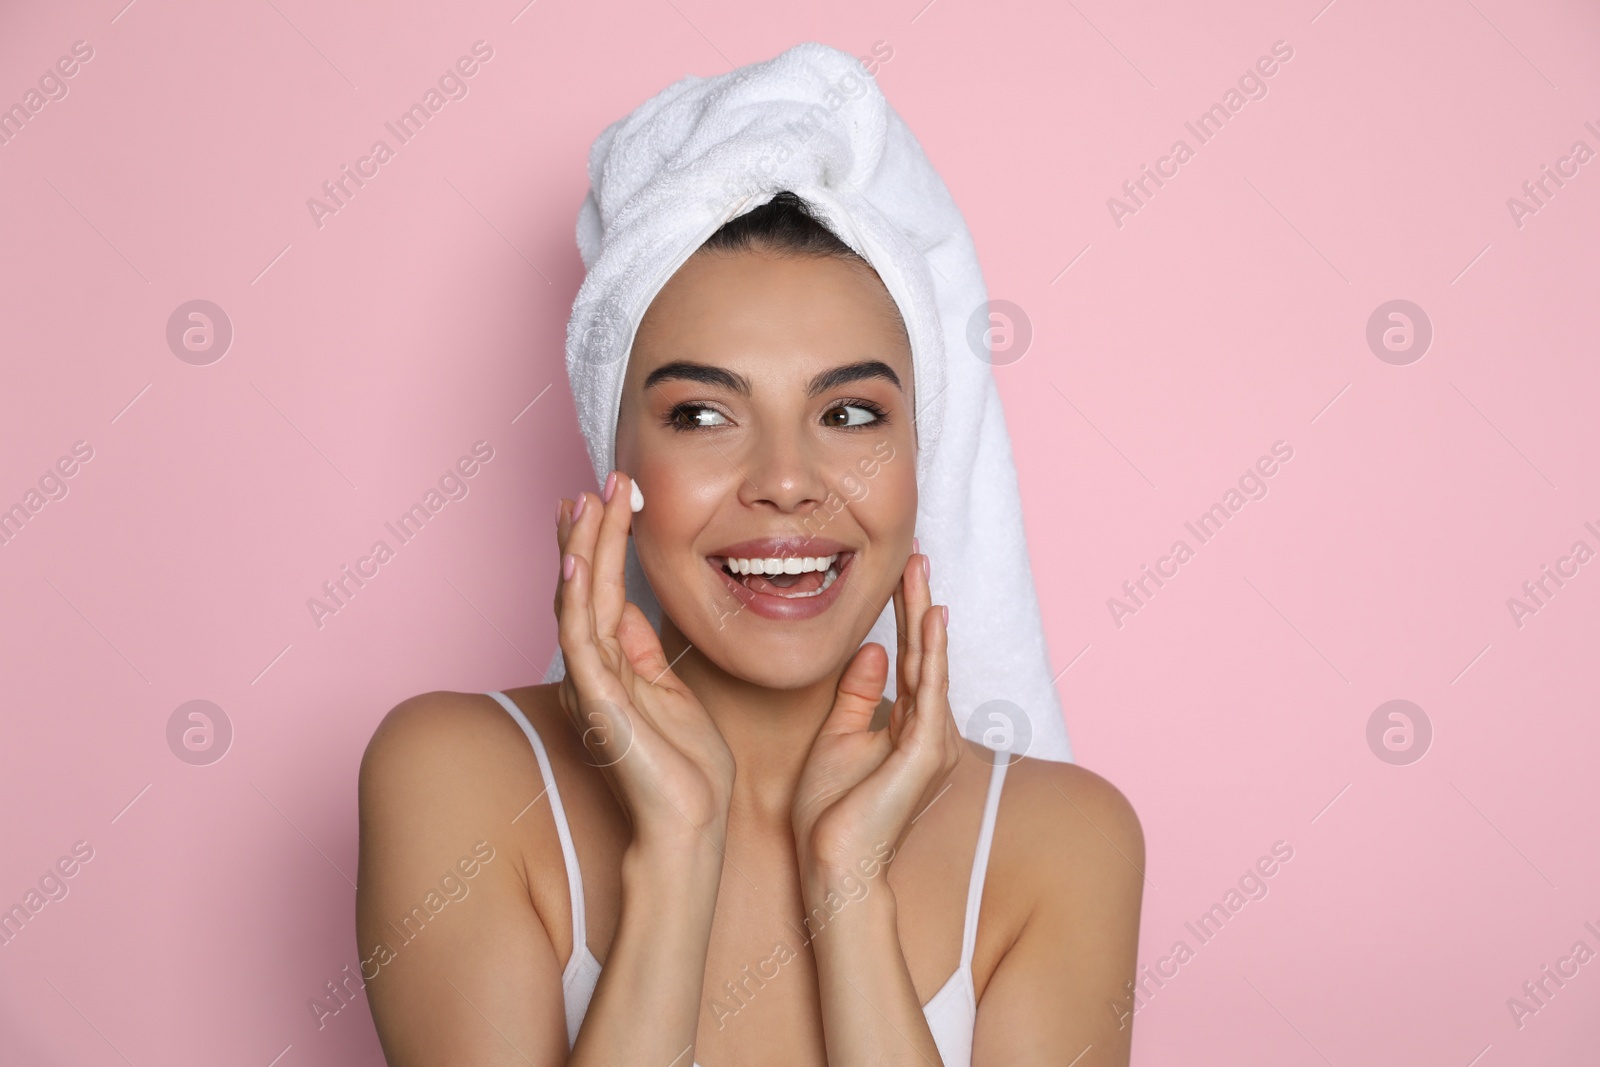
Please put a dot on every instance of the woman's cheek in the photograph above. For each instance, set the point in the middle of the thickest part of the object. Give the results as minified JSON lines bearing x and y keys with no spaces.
{"x":682,"y":494}
{"x":883,"y":489}
{"x":689,"y":488}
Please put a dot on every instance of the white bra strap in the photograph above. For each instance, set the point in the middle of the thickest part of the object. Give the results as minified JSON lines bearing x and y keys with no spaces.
{"x":569,"y":854}
{"x":980,"y":857}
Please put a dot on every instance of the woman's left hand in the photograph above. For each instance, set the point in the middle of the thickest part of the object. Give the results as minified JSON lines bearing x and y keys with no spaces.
{"x":860,"y":789}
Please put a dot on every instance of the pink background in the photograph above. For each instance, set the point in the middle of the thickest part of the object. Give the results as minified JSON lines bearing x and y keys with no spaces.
{"x":1228,"y":313}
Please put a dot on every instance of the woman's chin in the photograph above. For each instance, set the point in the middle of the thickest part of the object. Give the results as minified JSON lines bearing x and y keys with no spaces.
{"x":802,"y":672}
{"x":775,"y":660}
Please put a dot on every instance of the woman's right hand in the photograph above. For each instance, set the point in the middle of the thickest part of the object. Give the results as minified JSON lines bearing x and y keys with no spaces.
{"x":663,"y":757}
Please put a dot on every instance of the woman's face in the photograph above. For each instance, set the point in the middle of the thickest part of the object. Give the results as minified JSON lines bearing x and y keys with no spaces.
{"x":767,"y":416}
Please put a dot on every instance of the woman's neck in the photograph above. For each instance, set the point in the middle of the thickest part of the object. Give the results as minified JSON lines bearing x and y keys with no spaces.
{"x":769,"y":731}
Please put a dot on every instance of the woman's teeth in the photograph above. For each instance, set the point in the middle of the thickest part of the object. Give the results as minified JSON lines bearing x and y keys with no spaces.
{"x":786,"y":565}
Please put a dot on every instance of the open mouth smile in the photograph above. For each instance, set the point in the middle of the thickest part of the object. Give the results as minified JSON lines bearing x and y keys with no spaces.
{"x":782,"y":579}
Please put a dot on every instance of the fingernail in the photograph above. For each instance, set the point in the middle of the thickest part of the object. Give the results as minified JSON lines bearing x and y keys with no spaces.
{"x":610,"y":487}
{"x":569,"y":563}
{"x":927,"y":567}
{"x":946,"y":609}
{"x":916,"y":546}
{"x":559,"y":502}
{"x":579,"y":509}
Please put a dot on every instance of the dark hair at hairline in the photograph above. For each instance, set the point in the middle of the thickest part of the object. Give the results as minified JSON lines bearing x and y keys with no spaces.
{"x":785,"y":225}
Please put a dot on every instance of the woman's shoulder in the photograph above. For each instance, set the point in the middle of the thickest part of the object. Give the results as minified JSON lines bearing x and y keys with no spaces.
{"x":461,"y":745}
{"x":444,"y":784}
{"x":432,"y":732}
{"x":1061,"y":823}
{"x":444,"y":766}
{"x":442,"y":726}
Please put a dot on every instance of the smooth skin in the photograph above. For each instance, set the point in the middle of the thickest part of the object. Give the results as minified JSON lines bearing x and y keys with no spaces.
{"x":736,"y":775}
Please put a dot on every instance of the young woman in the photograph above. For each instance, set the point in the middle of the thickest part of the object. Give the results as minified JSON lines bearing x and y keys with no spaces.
{"x":719,"y":845}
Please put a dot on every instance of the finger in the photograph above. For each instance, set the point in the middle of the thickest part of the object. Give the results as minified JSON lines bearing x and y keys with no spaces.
{"x":610,"y":555}
{"x":903,"y":692}
{"x":581,"y":537}
{"x":580,"y":650}
{"x":642,"y":645}
{"x":914,"y":584}
{"x":900,"y":624}
{"x":931,"y":713}
{"x":860,"y":689}
{"x":900,"y":652}
{"x":563,"y":528}
{"x":923,"y":754}
{"x":924,"y":751}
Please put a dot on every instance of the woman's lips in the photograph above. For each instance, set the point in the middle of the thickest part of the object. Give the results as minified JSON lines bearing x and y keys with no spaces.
{"x":785,"y":608}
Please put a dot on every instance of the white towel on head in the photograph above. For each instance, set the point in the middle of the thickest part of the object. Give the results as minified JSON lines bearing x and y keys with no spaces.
{"x":705,"y":150}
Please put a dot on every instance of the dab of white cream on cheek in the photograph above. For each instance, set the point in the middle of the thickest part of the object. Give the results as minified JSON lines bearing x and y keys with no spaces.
{"x":636,"y":499}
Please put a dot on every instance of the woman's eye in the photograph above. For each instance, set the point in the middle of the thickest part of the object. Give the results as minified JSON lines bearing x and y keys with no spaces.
{"x":695,"y":416}
{"x":850,"y":415}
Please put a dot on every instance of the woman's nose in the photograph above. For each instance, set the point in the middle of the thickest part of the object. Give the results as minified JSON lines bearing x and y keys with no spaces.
{"x":783,"y":472}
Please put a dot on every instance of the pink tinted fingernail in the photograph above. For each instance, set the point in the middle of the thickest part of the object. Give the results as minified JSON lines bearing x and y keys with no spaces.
{"x":610,"y":487}
{"x":569,"y":563}
{"x":579,"y":509}
{"x":927,"y":567}
{"x":916,"y":546}
{"x":946,"y":609}
{"x":559,"y":502}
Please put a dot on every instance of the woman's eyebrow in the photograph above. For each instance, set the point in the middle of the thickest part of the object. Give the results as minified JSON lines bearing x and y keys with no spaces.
{"x":704,"y":373}
{"x":853,"y":372}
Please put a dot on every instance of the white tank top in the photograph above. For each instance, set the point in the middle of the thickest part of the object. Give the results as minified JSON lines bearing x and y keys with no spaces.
{"x":950,"y":1014}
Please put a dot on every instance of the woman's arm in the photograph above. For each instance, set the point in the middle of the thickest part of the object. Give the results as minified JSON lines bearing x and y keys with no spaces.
{"x":487,"y":988}
{"x":858,"y":796}
{"x":468,"y":974}
{"x":646,"y":1008}
{"x":1062,"y":992}
{"x":672,"y":772}
{"x":476,"y":982}
{"x":869,"y":1005}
